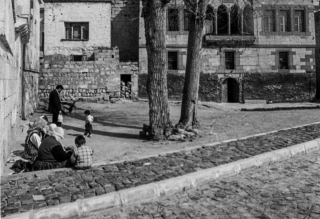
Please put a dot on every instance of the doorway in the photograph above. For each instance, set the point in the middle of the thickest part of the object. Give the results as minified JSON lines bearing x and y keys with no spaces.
{"x":125,"y":85}
{"x":230,"y":91}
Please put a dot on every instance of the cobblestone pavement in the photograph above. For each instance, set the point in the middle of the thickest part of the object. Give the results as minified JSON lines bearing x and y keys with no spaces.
{"x":288,"y":189}
{"x":17,"y":192}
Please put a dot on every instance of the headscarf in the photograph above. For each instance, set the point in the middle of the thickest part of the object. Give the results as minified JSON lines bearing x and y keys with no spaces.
{"x":58,"y":133}
{"x":39,"y":126}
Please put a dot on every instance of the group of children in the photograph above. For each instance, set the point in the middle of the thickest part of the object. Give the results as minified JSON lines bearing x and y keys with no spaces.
{"x":82,"y":156}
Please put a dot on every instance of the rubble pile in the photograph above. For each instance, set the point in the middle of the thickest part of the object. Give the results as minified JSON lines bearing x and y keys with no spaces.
{"x":125,"y":90}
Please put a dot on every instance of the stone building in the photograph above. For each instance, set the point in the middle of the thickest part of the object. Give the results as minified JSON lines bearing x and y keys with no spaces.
{"x":19,"y":55}
{"x":252,"y":50}
{"x":317,"y":29}
{"x":91,"y":51}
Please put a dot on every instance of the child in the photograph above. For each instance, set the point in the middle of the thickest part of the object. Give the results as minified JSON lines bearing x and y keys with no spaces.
{"x":88,"y":126}
{"x":82,"y":154}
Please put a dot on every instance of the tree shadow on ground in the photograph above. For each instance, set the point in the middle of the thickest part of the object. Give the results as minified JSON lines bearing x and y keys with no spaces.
{"x":103,"y":133}
{"x":97,"y":118}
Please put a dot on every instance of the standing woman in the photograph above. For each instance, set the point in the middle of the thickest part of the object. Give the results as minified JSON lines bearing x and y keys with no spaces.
{"x":52,"y":154}
{"x":34,"y":138}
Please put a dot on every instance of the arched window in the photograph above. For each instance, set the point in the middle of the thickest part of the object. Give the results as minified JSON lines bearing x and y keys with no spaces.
{"x":210,"y":20}
{"x":223,"y":20}
{"x":248,"y":25}
{"x":235,"y":20}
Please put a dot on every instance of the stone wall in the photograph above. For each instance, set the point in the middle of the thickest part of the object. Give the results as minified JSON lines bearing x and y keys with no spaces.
{"x":317,"y":28}
{"x":253,"y":86}
{"x":10,"y":80}
{"x":125,"y":29}
{"x":279,"y":87}
{"x":87,"y":79}
{"x":208,"y":89}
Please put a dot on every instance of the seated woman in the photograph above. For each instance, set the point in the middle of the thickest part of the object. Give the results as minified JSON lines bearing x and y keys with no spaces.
{"x":52,"y":154}
{"x":33,"y":140}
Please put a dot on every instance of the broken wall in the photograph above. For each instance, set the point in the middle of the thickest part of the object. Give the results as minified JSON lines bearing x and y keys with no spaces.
{"x":125,"y":29}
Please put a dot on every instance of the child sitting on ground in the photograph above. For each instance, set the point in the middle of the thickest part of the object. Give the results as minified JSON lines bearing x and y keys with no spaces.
{"x":82,"y":156}
{"x":88,"y":126}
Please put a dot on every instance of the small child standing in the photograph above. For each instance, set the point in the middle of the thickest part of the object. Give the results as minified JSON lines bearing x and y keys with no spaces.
{"x":88,"y":126}
{"x":82,"y":154}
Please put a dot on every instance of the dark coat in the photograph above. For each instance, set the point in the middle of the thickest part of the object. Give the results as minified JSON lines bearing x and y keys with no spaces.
{"x":54,"y":102}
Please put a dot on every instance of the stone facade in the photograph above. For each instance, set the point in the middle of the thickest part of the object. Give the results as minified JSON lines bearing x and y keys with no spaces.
{"x":89,"y":66}
{"x":87,"y":79}
{"x":275,"y":87}
{"x":254,"y":46}
{"x":19,"y":67}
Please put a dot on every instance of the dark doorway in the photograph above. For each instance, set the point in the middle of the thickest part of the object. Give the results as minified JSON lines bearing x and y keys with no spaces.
{"x":125,"y":86}
{"x":230,"y":91}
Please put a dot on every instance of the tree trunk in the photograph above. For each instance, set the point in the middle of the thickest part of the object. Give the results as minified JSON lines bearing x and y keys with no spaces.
{"x":154,"y":13}
{"x":188,"y":116}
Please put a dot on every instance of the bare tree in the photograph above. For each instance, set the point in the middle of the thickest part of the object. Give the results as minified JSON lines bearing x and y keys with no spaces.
{"x":188,"y":116}
{"x":154,"y":14}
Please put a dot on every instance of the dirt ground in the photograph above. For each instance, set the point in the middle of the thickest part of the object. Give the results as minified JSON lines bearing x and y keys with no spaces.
{"x":116,"y":127}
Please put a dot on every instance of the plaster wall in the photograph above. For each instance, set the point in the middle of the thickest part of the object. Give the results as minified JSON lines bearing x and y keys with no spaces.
{"x":97,"y":14}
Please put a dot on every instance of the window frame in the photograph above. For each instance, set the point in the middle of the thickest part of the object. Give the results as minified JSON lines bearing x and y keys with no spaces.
{"x":287,"y":66}
{"x":226,"y":60}
{"x":284,"y":21}
{"x":177,"y":60}
{"x":69,"y":26}
{"x":177,"y":20}
{"x":301,"y":23}
{"x":270,"y":20}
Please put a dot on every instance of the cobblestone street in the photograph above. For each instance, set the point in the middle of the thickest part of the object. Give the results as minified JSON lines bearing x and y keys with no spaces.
{"x":18,"y":191}
{"x":288,"y":189}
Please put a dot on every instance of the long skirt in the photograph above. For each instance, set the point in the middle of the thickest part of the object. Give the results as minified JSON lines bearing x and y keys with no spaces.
{"x":48,"y":165}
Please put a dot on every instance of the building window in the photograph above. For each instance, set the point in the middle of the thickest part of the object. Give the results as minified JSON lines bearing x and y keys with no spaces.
{"x":77,"y":58}
{"x":77,"y":31}
{"x":173,"y":60}
{"x":283,"y":60}
{"x":210,"y":21}
{"x":299,"y":21}
{"x":186,"y":19}
{"x":269,"y":21}
{"x":229,"y":57}
{"x":284,"y":21}
{"x":173,"y":19}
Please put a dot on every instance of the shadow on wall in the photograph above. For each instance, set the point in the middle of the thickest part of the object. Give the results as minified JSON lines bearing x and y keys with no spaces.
{"x":125,"y":29}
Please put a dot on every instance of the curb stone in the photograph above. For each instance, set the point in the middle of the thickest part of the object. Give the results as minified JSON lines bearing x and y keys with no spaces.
{"x":166,"y":187}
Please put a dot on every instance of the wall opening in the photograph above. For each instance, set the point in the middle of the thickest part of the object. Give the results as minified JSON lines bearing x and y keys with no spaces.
{"x":222,"y":20}
{"x":125,"y":85}
{"x":230,"y":91}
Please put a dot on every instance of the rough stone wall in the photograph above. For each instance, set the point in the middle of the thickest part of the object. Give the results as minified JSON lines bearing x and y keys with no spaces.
{"x":125,"y":29}
{"x":86,"y":79}
{"x":278,"y":87}
{"x":209,"y":89}
{"x":10,"y":80}
{"x":97,"y":14}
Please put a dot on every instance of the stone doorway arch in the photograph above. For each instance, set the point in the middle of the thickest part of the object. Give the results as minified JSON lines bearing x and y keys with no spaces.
{"x":230,"y":91}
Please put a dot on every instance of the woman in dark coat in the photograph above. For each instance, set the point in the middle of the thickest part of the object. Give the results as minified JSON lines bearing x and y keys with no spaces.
{"x":51,"y":153}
